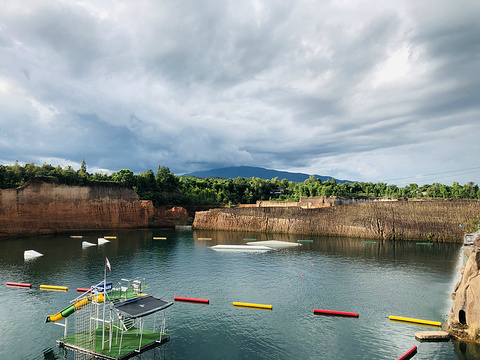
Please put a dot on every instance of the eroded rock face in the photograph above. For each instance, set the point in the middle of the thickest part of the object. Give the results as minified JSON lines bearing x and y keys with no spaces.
{"x":43,"y":206}
{"x":464,"y":319}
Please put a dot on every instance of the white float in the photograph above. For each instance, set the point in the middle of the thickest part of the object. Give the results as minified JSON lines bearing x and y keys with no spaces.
{"x":86,"y":244}
{"x":31,"y":254}
{"x":240,"y":248}
{"x":274,"y":244}
{"x":102,"y":241}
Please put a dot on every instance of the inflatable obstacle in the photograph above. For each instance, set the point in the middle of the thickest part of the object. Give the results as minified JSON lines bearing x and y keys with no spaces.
{"x":188,"y":299}
{"x":415,"y":321}
{"x":250,"y":305}
{"x":334,"y":313}
{"x":407,"y":355}
{"x":19,"y":284}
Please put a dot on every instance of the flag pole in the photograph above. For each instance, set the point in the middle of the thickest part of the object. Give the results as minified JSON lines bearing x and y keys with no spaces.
{"x":104,"y":300}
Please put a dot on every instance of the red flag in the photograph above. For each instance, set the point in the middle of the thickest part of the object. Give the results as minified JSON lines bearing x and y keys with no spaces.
{"x":108,"y":264}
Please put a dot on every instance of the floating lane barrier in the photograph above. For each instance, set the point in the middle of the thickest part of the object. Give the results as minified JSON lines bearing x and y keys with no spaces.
{"x":159,"y":238}
{"x":304,"y":240}
{"x":31,"y":254}
{"x":76,"y":236}
{"x":17,"y":284}
{"x":187,"y":299}
{"x":110,"y":237}
{"x":102,"y":241}
{"x":369,"y":242}
{"x":249,"y":239}
{"x":83,"y":290}
{"x":204,"y":239}
{"x":334,"y":313}
{"x":424,"y":243}
{"x":52,"y":287}
{"x":255,"y":306}
{"x":415,"y":321}
{"x":86,"y":244}
{"x":274,"y":244}
{"x":409,"y":354}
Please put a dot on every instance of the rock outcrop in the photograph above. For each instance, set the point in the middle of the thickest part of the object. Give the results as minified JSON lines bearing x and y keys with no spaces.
{"x":432,"y":220}
{"x":464,"y":318}
{"x":43,"y":206}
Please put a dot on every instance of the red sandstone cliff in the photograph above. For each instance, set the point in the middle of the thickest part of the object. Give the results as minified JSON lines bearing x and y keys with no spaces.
{"x":42,"y":206}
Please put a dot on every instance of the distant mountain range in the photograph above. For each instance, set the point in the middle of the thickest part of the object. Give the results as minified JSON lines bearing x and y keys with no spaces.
{"x":233,"y":172}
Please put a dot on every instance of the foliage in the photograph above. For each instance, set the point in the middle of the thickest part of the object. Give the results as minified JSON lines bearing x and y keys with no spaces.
{"x":165,"y":188}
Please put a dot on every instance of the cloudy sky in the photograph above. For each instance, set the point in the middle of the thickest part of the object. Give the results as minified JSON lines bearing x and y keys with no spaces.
{"x":362,"y":90}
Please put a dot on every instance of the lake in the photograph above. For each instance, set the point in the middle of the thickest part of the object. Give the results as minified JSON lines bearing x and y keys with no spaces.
{"x":374,"y":280}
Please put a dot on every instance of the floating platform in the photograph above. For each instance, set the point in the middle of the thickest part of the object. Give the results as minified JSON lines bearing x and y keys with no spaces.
{"x":432,"y":336}
{"x":241,"y":248}
{"x":130,"y":344}
{"x":274,"y":244}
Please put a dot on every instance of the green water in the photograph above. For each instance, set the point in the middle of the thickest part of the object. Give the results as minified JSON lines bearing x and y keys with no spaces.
{"x":373,"y":280}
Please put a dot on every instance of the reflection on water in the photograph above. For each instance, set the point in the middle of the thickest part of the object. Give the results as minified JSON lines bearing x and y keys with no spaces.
{"x":375,"y":280}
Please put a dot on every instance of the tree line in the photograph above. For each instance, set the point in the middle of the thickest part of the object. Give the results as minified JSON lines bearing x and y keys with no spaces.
{"x":165,"y":188}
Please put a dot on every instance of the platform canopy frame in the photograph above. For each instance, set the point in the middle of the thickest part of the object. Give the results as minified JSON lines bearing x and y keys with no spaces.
{"x":131,"y":314}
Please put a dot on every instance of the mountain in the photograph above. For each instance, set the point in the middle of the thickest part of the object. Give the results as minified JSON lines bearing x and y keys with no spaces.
{"x":233,"y":172}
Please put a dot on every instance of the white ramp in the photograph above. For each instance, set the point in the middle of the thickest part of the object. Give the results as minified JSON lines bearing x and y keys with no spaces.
{"x":86,"y":244}
{"x":31,"y":254}
{"x":102,"y":241}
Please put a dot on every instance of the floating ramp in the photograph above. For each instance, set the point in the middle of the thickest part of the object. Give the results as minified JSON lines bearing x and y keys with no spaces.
{"x":240,"y":248}
{"x":274,"y":244}
{"x":31,"y":254}
{"x":102,"y":241}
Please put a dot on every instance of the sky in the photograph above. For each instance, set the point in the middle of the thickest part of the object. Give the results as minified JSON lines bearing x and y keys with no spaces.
{"x":361,"y":90}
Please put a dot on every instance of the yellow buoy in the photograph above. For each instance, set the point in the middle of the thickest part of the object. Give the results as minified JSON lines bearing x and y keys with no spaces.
{"x":109,"y":237}
{"x":415,"y":321}
{"x":159,"y":238}
{"x":52,"y":287}
{"x":250,"y":305}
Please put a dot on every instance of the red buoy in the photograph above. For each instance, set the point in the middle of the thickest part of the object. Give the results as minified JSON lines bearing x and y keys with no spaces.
{"x":83,"y":290}
{"x":19,"y":284}
{"x":408,"y":354}
{"x":179,"y":298}
{"x":334,"y":313}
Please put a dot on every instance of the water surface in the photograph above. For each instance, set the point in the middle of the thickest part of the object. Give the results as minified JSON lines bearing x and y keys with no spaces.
{"x":374,"y":280}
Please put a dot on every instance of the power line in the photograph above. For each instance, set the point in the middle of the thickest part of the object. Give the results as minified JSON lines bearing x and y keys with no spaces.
{"x":477,"y":169}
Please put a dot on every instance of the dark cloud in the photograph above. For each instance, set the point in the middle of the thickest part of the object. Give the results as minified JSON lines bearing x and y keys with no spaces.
{"x":360,"y":91}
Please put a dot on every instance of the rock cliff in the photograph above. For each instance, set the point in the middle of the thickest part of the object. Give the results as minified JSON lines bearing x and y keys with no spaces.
{"x":464,"y":319}
{"x":434,"y":220}
{"x":43,"y":206}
